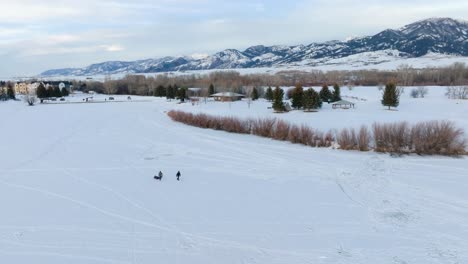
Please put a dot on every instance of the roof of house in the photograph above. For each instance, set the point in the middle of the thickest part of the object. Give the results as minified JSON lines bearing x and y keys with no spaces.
{"x":343,"y":102}
{"x":227,"y":94}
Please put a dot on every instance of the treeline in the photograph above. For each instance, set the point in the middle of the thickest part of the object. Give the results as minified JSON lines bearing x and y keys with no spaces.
{"x":51,"y":91}
{"x":424,"y":138}
{"x":7,"y":91}
{"x":454,"y":75}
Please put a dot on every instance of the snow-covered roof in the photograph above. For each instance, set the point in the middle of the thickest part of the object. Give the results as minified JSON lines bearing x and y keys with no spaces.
{"x":227,"y":94}
{"x":343,"y":102}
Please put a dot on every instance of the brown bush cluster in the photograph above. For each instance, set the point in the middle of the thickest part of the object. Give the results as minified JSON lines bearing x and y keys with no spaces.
{"x":428,"y":138}
{"x":437,"y":137}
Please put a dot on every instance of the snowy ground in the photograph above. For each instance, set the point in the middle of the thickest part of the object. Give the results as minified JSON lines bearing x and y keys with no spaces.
{"x":368,"y":109}
{"x":79,"y":189}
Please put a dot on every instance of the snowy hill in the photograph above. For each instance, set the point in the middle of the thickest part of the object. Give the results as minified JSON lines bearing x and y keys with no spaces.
{"x":437,"y":35}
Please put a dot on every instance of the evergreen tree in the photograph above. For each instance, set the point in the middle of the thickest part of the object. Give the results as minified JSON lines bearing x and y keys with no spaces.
{"x":160,"y":91}
{"x":11,"y":92}
{"x":336,"y":93}
{"x":50,"y":91}
{"x":170,"y":93}
{"x":57,"y":92}
{"x":41,"y":91}
{"x":254,"y":95}
{"x":297,"y":97}
{"x":325,"y":94}
{"x":65,"y":92}
{"x":278,"y":95}
{"x":391,"y":97}
{"x":311,"y":100}
{"x":211,"y":90}
{"x":182,"y":94}
{"x":3,"y":96}
{"x":269,"y":94}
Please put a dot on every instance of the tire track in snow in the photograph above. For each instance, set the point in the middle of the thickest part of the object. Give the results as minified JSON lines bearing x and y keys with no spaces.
{"x":84,"y":204}
{"x":211,"y":241}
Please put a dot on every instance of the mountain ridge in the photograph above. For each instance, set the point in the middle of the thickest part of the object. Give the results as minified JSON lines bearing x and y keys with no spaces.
{"x":433,"y":35}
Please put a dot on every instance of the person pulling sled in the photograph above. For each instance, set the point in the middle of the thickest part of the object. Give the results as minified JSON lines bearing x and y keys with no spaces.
{"x":159,"y":176}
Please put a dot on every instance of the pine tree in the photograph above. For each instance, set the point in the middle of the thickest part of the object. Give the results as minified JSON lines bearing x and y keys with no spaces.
{"x":278,"y":104}
{"x":3,"y":96}
{"x":11,"y":92}
{"x":211,"y":90}
{"x":254,"y":95}
{"x":182,"y":94}
{"x":269,"y":94}
{"x":325,"y":94}
{"x":297,"y":97}
{"x":50,"y":91}
{"x":311,"y":100}
{"x":336,"y":93}
{"x":170,"y":93}
{"x":41,"y":91}
{"x":57,"y":92}
{"x":65,"y":92}
{"x":160,"y":91}
{"x":390,"y":96}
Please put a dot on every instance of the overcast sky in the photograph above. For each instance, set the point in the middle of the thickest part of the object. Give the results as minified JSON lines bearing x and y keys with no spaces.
{"x":37,"y":35}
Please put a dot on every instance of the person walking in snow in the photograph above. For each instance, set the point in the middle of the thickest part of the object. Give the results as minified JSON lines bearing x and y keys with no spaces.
{"x":178,"y":175}
{"x":159,"y":176}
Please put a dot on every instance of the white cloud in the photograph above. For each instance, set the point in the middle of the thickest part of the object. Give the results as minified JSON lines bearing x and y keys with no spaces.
{"x":112,"y":48}
{"x":77,"y":33}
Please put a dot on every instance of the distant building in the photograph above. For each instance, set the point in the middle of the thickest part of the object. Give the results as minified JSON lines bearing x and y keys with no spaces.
{"x":227,"y":96}
{"x":21,"y":88}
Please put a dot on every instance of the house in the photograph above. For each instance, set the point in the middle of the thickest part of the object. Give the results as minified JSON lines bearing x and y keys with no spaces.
{"x":343,"y":104}
{"x":227,"y":96}
{"x":21,"y":88}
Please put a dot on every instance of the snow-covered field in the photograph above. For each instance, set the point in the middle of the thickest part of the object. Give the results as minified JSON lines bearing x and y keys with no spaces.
{"x":76,"y":186}
{"x":368,"y":109}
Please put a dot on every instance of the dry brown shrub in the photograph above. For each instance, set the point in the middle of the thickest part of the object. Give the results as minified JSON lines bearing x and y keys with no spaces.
{"x":392,"y":137}
{"x":438,"y":137}
{"x":347,"y":139}
{"x":263,"y":127}
{"x":428,"y":138}
{"x":294,"y":135}
{"x":235,"y":125}
{"x":364,"y":139}
{"x":280,"y":130}
{"x":307,"y":136}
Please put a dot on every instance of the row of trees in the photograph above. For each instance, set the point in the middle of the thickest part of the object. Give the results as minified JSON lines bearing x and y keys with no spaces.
{"x":310,"y":99}
{"x":300,"y":99}
{"x":43,"y":92}
{"x":171,"y":92}
{"x":405,"y":75}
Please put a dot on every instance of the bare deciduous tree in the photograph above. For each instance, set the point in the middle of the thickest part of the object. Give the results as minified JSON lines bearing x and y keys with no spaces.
{"x":30,"y":99}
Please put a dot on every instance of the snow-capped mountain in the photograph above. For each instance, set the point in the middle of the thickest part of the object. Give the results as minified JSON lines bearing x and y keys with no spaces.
{"x":435,"y":35}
